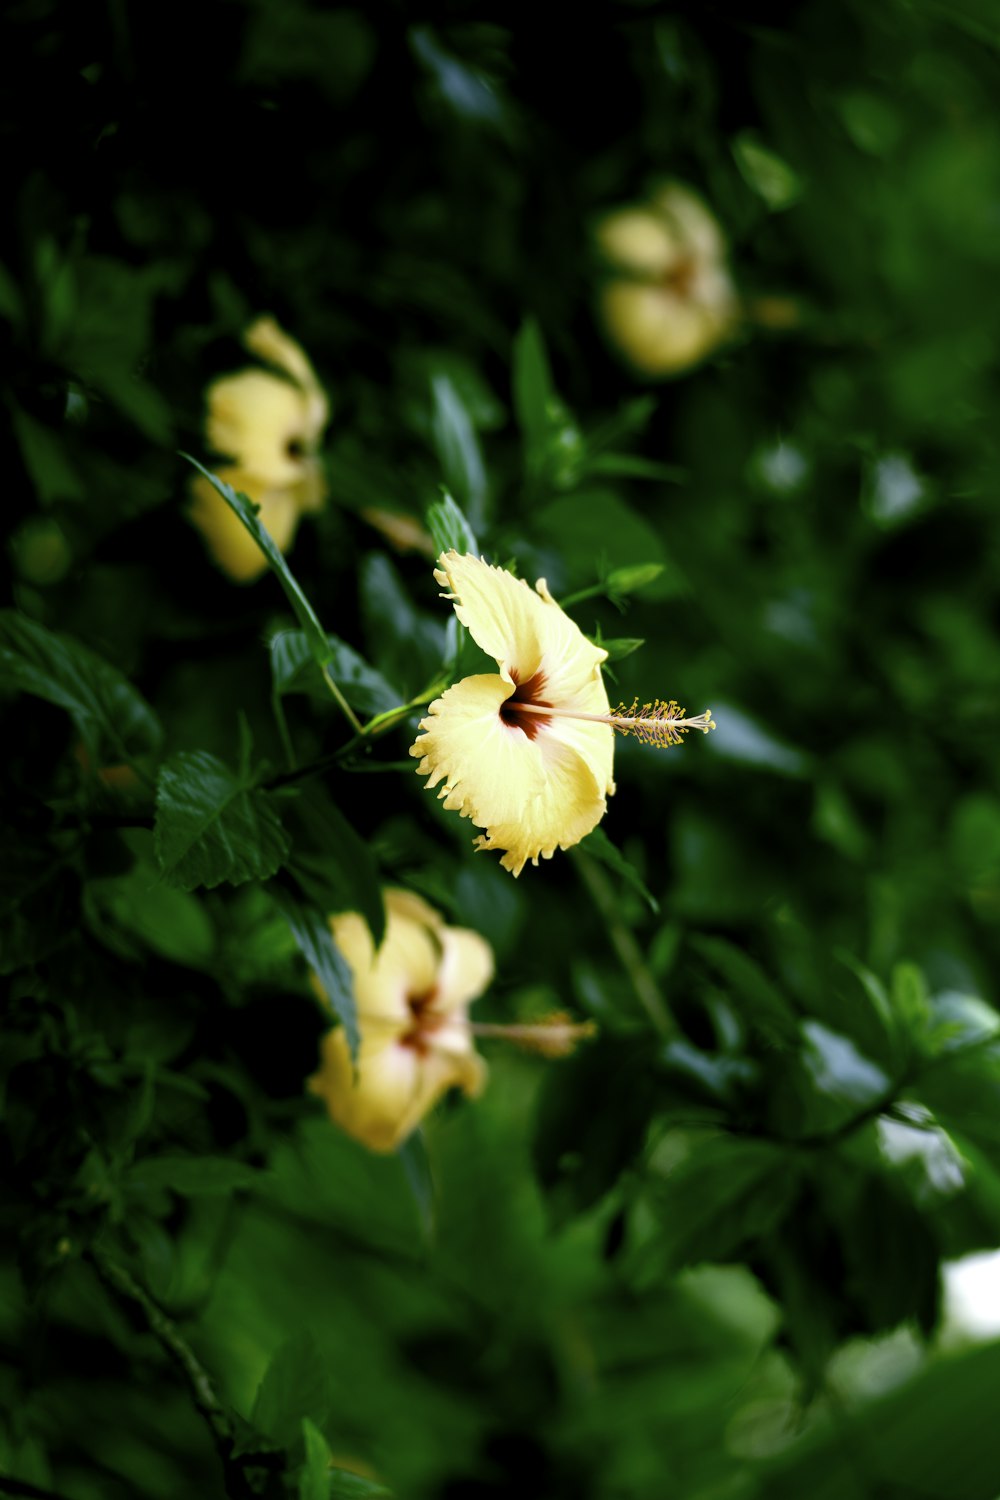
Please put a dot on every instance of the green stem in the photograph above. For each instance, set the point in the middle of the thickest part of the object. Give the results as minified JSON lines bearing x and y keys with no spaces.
{"x":244,"y":1477}
{"x":168,"y":1335}
{"x":365,"y":734}
{"x":379,"y":767}
{"x":592,"y":592}
{"x":623,"y":940}
{"x":346,"y":708}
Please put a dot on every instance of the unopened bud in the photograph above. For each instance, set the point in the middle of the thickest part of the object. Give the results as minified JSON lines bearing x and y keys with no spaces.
{"x":627,"y":580}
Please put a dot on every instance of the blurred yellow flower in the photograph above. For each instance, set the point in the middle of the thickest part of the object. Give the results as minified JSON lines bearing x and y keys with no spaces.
{"x":412,"y":996}
{"x":527,"y":753}
{"x":269,"y":426}
{"x":669,"y":300}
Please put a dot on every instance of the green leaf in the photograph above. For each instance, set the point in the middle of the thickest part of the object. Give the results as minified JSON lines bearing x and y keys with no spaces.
{"x":191,"y":1176}
{"x":634,"y":466}
{"x":936,"y":1435}
{"x":457,"y":446}
{"x":212,"y":826}
{"x":553,"y":446}
{"x":765,"y":172}
{"x":449,"y":528}
{"x":137,"y":911}
{"x":598,"y":535}
{"x":246,"y":510}
{"x":319,"y":1479}
{"x":295,"y":1386}
{"x":111,"y":717}
{"x":725,"y":1195}
{"x":600,"y":846}
{"x":909,"y":998}
{"x":294,"y":670}
{"x":347,"y":1486}
{"x":345,"y":876}
{"x":839,"y":1071}
{"x":314,"y":1477}
{"x":534,"y":392}
{"x":311,"y":930}
{"x":760,"y":1001}
{"x":407,"y":643}
{"x":628,"y":580}
{"x":621,"y":646}
{"x":346,"y":881}
{"x":416,"y":1164}
{"x":593,"y":1115}
{"x":42,"y":451}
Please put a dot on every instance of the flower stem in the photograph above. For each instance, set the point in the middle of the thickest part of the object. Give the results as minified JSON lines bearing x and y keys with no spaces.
{"x":588,"y":593}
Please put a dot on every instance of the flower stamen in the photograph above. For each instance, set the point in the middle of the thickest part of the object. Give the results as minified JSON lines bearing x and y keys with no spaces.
{"x":658,"y":723}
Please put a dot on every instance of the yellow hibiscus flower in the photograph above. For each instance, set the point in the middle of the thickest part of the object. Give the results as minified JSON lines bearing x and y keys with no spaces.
{"x":412,"y":995}
{"x":527,"y":753}
{"x":672,"y":301}
{"x":269,"y":426}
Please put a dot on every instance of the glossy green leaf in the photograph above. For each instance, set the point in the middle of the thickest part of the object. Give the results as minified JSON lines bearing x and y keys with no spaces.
{"x":294,"y":670}
{"x":212,"y":826}
{"x":311,"y":929}
{"x":753,"y":994}
{"x":724,"y":1198}
{"x":599,"y":846}
{"x":314,"y":1477}
{"x":457,"y":446}
{"x":295,"y":1386}
{"x":247,"y":512}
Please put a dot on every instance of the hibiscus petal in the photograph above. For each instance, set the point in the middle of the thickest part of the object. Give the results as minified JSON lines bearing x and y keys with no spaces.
{"x":269,"y":341}
{"x":657,"y":330}
{"x":405,"y":964}
{"x":694,"y":225}
{"x":376,"y":1104}
{"x":393,"y":1088}
{"x":466,"y":968}
{"x":489,"y":769}
{"x":639,"y":241}
{"x":499,"y":610}
{"x":524,"y":630}
{"x":571,"y":802}
{"x":262,"y":423}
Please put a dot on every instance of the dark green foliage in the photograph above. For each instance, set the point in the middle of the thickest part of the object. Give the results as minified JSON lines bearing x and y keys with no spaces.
{"x":214,"y":826}
{"x":706,"y":1256}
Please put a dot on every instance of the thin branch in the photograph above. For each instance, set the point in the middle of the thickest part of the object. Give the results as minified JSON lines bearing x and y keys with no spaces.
{"x":247,"y":1477}
{"x":623,"y":939}
{"x":170,"y":1338}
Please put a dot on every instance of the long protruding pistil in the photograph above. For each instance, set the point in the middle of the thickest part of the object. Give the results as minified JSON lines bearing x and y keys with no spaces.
{"x":656,"y":723}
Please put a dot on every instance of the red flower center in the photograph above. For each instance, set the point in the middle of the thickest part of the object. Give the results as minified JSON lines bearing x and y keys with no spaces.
{"x":425,"y":1021}
{"x":526,"y":692}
